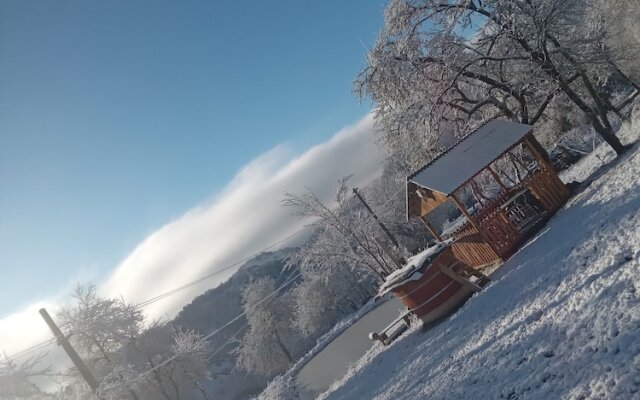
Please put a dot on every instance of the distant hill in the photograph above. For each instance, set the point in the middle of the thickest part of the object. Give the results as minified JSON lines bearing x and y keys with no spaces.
{"x":215,"y":308}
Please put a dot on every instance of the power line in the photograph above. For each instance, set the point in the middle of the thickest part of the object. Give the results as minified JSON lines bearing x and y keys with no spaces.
{"x":31,"y":349}
{"x":46,"y":343}
{"x":235,"y":334}
{"x":393,"y":196}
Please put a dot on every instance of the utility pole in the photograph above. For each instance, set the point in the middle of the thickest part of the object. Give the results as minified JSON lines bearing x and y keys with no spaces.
{"x":75,"y":358}
{"x":384,"y":228}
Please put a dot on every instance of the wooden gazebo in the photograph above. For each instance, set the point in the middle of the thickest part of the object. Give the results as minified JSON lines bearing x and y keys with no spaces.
{"x":495,"y":227}
{"x":491,"y":226}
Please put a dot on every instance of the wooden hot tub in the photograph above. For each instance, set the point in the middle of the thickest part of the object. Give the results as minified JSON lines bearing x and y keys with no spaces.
{"x":438,"y":286}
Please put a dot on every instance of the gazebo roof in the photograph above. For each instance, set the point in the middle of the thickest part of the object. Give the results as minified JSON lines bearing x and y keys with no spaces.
{"x":455,"y":166}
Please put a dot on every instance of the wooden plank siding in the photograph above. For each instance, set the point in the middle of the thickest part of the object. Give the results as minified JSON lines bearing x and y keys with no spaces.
{"x":548,"y":189}
{"x":470,"y":247}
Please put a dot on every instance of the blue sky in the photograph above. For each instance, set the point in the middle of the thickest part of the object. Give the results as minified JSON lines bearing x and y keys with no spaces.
{"x":117,"y":117}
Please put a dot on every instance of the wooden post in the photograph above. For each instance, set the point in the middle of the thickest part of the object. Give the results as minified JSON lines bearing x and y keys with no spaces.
{"x":430,"y":228}
{"x":529,"y":142}
{"x":496,"y":177}
{"x":75,"y":358}
{"x":463,"y":209}
{"x":538,"y":148}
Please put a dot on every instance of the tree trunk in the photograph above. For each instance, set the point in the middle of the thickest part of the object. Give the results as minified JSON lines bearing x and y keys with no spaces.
{"x":606,"y":133}
{"x":283,"y":347}
{"x":202,"y":390}
{"x":611,"y":139}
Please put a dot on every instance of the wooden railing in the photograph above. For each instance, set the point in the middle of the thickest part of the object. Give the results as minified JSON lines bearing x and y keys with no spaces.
{"x":500,"y":236}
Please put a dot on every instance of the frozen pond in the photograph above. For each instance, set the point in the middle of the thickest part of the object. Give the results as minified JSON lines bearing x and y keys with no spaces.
{"x":333,"y":361}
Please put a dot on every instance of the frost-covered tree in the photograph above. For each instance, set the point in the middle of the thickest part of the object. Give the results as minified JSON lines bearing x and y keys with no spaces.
{"x":100,"y":326}
{"x":16,"y":379}
{"x":190,"y":350}
{"x":619,"y":20}
{"x":349,"y":251}
{"x":325,"y":295}
{"x":386,"y":195}
{"x":130,"y":360}
{"x":166,"y":362}
{"x":347,"y":235}
{"x":443,"y":67}
{"x":268,"y":347}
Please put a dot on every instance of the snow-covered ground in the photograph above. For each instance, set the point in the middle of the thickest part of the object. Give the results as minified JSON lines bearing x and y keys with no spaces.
{"x":561,"y":319}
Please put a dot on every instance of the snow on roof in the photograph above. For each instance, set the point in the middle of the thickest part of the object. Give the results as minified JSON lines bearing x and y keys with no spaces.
{"x":462,"y":161}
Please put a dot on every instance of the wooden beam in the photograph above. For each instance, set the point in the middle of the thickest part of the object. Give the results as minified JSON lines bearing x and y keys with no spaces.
{"x":430,"y":228}
{"x":496,"y":177}
{"x":448,"y":271}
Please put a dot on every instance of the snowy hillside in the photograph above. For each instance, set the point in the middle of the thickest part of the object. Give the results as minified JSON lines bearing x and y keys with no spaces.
{"x":561,"y":319}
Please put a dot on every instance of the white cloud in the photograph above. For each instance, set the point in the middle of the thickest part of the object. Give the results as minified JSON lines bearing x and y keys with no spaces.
{"x":242,"y":219}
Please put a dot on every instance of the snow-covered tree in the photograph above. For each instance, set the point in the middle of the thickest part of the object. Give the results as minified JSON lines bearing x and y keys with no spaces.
{"x":100,"y":326}
{"x":325,"y":295}
{"x":268,"y":347}
{"x":190,"y":350}
{"x":444,"y":67}
{"x":167,"y":362}
{"x":349,"y":251}
{"x":347,"y":235}
{"x":16,"y":379}
{"x":620,"y":22}
{"x":129,"y":360}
